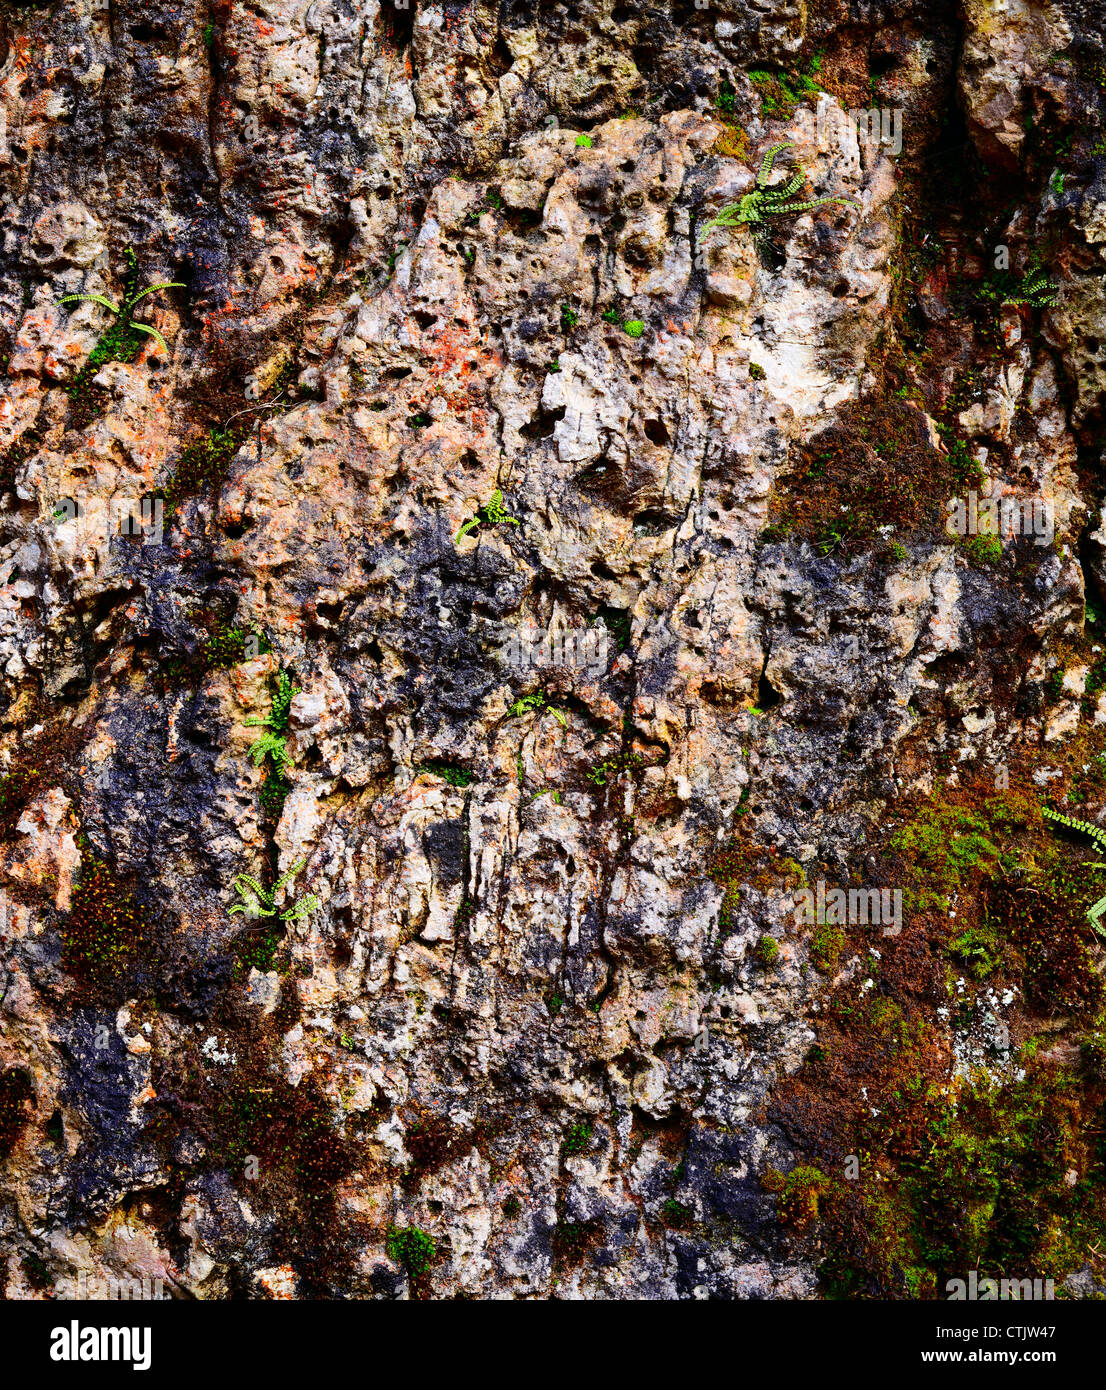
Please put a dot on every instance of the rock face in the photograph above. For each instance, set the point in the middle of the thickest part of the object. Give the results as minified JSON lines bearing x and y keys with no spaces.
{"x":513,"y":592}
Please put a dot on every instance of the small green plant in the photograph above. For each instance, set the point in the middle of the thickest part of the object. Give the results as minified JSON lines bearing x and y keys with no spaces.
{"x":1094,"y":833}
{"x":676,"y":1214}
{"x":511,"y":1208}
{"x":228,"y":646}
{"x":826,"y":946}
{"x":554,"y":366}
{"x":577,"y":1138}
{"x":569,"y":318}
{"x":983,"y":550}
{"x":528,"y":704}
{"x":452,"y":773}
{"x":554,"y":1003}
{"x":119,"y":338}
{"x":584,"y":141}
{"x":1034,"y":288}
{"x":410,"y":1247}
{"x":258,"y":901}
{"x":491,"y":202}
{"x":1056,"y":182}
{"x":272,"y":744}
{"x":756,"y":371}
{"x":767,"y":950}
{"x":491,"y":514}
{"x":611,"y":316}
{"x":634,"y":328}
{"x":754,"y":209}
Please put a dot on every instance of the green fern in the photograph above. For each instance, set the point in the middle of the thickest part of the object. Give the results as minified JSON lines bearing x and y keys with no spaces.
{"x":281,"y":707}
{"x":258,"y":901}
{"x":270,"y":745}
{"x":116,"y":337}
{"x":1080,"y":827}
{"x":754,"y":209}
{"x":273,"y":745}
{"x":491,"y":514}
{"x":1034,"y":288}
{"x":1097,"y":836}
{"x":527,"y":704}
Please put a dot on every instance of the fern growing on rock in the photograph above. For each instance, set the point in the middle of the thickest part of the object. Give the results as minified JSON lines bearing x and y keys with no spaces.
{"x":1097,"y":836}
{"x":754,"y":209}
{"x":258,"y":901}
{"x":529,"y":704}
{"x":272,"y":744}
{"x":1080,"y":827}
{"x":119,"y":344}
{"x":1034,"y":288}
{"x":491,"y":514}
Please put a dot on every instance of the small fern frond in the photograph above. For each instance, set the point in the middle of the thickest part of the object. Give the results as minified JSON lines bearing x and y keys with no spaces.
{"x":171,"y":285}
{"x":303,"y":908}
{"x":145,"y":328}
{"x":288,"y":876}
{"x":1080,"y":827}
{"x":813,"y":203}
{"x":270,"y":745}
{"x":95,"y":298}
{"x":768,"y":161}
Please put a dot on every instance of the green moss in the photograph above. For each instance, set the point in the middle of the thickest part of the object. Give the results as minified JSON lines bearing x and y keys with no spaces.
{"x":453,"y":773}
{"x":944,"y":847}
{"x":982,"y":550}
{"x":577,"y":1138}
{"x":16,"y":788}
{"x":634,"y":327}
{"x":676,"y":1215}
{"x":826,"y":946}
{"x":412,"y":1248}
{"x":798,"y":1193}
{"x":226,"y":646}
{"x":757,"y":372}
{"x":204,"y":465}
{"x":256,"y":948}
{"x":780,"y":92}
{"x":511,"y":1208}
{"x":767,"y":951}
{"x":875,"y":466}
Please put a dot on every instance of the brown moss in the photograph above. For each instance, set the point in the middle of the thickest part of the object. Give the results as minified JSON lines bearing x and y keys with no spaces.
{"x":107,"y":932}
{"x":16,"y":1107}
{"x":874,"y":467}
